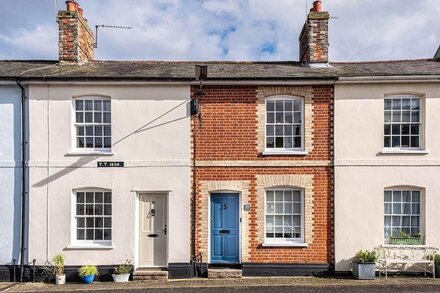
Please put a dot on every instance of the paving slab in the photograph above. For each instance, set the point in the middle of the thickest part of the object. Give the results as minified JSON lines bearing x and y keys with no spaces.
{"x":245,"y":284}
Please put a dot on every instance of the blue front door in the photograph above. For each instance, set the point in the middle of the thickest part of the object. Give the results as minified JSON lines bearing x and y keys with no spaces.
{"x":224,"y":228}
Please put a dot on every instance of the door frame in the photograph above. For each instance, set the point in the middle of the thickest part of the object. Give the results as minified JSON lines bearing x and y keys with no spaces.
{"x":238,"y":193}
{"x":137,"y":227}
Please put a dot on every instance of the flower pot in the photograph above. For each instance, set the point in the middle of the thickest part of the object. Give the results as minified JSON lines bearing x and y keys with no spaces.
{"x":88,"y":279}
{"x":60,"y":279}
{"x":406,"y":241}
{"x":120,"y":278}
{"x":364,"y":271}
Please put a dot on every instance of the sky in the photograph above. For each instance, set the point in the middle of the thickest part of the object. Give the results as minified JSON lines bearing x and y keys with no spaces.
{"x":360,"y":30}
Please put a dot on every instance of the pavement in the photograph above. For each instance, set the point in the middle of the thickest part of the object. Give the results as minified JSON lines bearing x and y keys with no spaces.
{"x":251,"y":285}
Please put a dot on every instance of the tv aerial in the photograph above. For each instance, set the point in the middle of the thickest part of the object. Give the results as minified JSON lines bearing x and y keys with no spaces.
{"x":95,"y":44}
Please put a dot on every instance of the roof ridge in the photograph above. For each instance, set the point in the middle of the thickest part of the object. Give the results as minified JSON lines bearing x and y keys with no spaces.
{"x":381,"y":61}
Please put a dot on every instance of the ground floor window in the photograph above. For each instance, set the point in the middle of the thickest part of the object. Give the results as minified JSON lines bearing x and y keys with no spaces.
{"x":284,"y":215}
{"x":93,"y":216}
{"x":402,"y":217}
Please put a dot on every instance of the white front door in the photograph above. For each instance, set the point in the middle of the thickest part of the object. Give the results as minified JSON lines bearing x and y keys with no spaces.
{"x":153,"y":230}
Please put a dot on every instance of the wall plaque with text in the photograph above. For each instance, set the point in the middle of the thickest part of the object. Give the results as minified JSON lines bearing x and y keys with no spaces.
{"x":110,"y":164}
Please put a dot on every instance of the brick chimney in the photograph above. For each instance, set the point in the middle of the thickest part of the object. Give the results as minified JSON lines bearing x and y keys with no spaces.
{"x":75,"y":36}
{"x":313,"y":40}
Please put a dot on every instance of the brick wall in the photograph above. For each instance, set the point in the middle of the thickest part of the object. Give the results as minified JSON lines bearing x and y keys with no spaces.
{"x":75,"y":37}
{"x":228,"y":137}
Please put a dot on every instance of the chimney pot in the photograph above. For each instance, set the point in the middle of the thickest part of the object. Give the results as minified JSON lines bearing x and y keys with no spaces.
{"x":317,"y":6}
{"x":71,"y":5}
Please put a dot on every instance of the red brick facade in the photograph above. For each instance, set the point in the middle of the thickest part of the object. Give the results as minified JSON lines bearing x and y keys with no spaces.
{"x":226,"y":137}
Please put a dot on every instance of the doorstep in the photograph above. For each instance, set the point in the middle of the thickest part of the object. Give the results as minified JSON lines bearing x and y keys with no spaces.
{"x":146,"y":274}
{"x":224,"y":273}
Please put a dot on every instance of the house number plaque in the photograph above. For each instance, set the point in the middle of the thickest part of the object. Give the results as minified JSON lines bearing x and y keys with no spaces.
{"x":110,"y":164}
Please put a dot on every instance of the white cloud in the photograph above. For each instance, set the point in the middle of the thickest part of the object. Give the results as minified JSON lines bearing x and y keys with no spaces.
{"x":231,"y":29}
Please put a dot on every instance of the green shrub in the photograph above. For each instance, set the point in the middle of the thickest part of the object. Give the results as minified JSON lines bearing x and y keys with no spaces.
{"x":58,"y":264}
{"x":365,"y":256}
{"x":88,"y":270}
{"x":124,"y":268}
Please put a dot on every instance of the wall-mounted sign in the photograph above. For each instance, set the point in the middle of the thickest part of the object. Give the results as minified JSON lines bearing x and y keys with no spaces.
{"x":246,"y":207}
{"x":110,"y":164}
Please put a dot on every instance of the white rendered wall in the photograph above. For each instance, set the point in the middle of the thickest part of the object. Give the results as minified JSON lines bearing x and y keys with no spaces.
{"x":362,"y":172}
{"x":10,"y":173}
{"x":150,"y":134}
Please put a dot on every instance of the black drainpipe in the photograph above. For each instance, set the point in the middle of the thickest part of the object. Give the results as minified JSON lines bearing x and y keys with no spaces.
{"x":23,"y":177}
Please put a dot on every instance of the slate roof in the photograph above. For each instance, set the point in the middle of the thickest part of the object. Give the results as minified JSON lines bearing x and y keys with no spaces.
{"x":169,"y":70}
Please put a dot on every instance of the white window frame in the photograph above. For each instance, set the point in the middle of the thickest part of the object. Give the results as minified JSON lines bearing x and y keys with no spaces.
{"x":292,"y":150}
{"x":86,"y":150}
{"x":284,"y":241}
{"x":420,"y":123}
{"x":88,"y":243}
{"x":421,"y":208}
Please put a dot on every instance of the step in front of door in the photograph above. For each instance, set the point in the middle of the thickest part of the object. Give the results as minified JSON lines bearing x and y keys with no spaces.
{"x":145,"y":275}
{"x":224,"y":273}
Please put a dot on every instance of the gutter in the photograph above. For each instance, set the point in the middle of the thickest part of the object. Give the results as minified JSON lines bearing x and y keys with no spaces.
{"x":24,"y":190}
{"x":389,"y":79}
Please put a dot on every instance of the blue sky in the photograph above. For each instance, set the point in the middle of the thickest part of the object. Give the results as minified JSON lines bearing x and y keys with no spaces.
{"x":226,"y":29}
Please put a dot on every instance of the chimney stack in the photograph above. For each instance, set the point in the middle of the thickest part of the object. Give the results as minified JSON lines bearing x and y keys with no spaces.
{"x":313,"y":40}
{"x":75,"y":36}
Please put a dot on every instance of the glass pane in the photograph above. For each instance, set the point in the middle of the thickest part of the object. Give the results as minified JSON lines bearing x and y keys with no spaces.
{"x":387,"y":141}
{"x":79,"y":105}
{"x":269,"y":224}
{"x":415,"y":104}
{"x":107,"y":197}
{"x":288,"y":106}
{"x":279,"y":195}
{"x":98,"y":117}
{"x":396,"y":129}
{"x":279,"y":130}
{"x":288,"y":117}
{"x":405,"y":129}
{"x":297,"y":208}
{"x":406,"y":196}
{"x":98,"y":209}
{"x":297,"y":105}
{"x":297,"y":130}
{"x":387,"y":129}
{"x":270,"y":130}
{"x":387,"y":196}
{"x":396,"y":221}
{"x":88,"y":105}
{"x":396,"y":116}
{"x":99,"y":234}
{"x":107,"y":209}
{"x":296,"y":195}
{"x":80,"y":223}
{"x":80,"y":142}
{"x":296,"y":220}
{"x":89,"y":197}
{"x":98,"y":105}
{"x":288,"y":130}
{"x":415,"y":221}
{"x":107,"y":130}
{"x":387,"y":104}
{"x":415,"y":116}
{"x":415,"y":141}
{"x":415,"y":208}
{"x":406,"y":116}
{"x":387,"y":116}
{"x":107,"y":222}
{"x":279,"y":117}
{"x":107,"y":118}
{"x":395,"y":141}
{"x":88,"y":117}
{"x":396,"y":104}
{"x":107,"y":105}
{"x":287,"y":221}
{"x":388,"y":208}
{"x":288,"y":208}
{"x":406,"y":221}
{"x":270,"y":142}
{"x":89,"y":223}
{"x":270,"y":106}
{"x":415,"y":129}
{"x":406,"y":104}
{"x":89,"y":142}
{"x":79,"y":117}
{"x":89,"y":130}
{"x":397,"y":195}
{"x":89,"y":234}
{"x":387,"y":221}
{"x":89,"y":209}
{"x":80,"y":209}
{"x":297,"y":142}
{"x":80,"y":197}
{"x":405,"y":141}
{"x":397,"y":208}
{"x":99,"y":222}
{"x":279,"y":208}
{"x":279,"y":221}
{"x":288,"y":195}
{"x":279,"y":142}
{"x":98,"y":142}
{"x":270,"y":117}
{"x":269,"y":208}
{"x":416,"y":196}
{"x":270,"y":195}
{"x":80,"y":234}
{"x":80,"y":130}
{"x":279,"y":106}
{"x":288,"y":143}
{"x":107,"y":142}
{"x":297,"y":117}
{"x":107,"y":234}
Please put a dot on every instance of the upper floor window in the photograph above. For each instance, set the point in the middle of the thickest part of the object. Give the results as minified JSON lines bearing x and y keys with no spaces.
{"x":93,"y":216}
{"x":284,"y":124}
{"x":93,"y":124}
{"x":284,"y":215}
{"x":402,"y":122}
{"x":402,"y":215}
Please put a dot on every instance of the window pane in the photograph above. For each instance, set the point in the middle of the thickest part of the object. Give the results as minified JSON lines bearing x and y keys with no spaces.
{"x":79,"y":117}
{"x":388,"y":208}
{"x":80,"y":142}
{"x":396,"y":104}
{"x":406,"y":117}
{"x":388,"y":196}
{"x":270,"y":143}
{"x":297,"y":142}
{"x":269,"y":224}
{"x":279,"y":106}
{"x":406,"y":104}
{"x":288,"y":117}
{"x":396,"y":116}
{"x":80,"y":130}
{"x":270,"y":195}
{"x":80,"y":209}
{"x":415,"y":141}
{"x":397,"y":195}
{"x":107,"y":130}
{"x":107,"y":142}
{"x":79,"y":105}
{"x":270,"y":130}
{"x":269,"y":208}
{"x":98,"y":105}
{"x":288,"y":106}
{"x":80,"y":197}
{"x":107,"y":209}
{"x":279,"y":208}
{"x":99,"y":234}
{"x":296,"y":208}
{"x":80,"y":234}
{"x":107,"y":197}
{"x":98,"y":142}
{"x":387,"y":129}
{"x":107,"y":222}
{"x":288,"y":143}
{"x":270,"y":117}
{"x":279,"y":117}
{"x":107,"y":118}
{"x":270,"y":106}
{"x":89,"y":234}
{"x":89,"y":223}
{"x":279,"y":142}
{"x":288,"y":208}
{"x":387,"y":116}
{"x":98,"y":209}
{"x":297,"y":117}
{"x":88,"y":105}
{"x":415,"y":104}
{"x":88,"y":117}
{"x":98,"y":117}
{"x":415,"y":116}
{"x":107,"y":234}
{"x":387,"y":104}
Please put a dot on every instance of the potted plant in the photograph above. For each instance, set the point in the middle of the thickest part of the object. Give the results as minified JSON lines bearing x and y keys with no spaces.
{"x":406,"y":239}
{"x":58,"y":269}
{"x":364,"y":265}
{"x":123,"y":271}
{"x":88,"y":273}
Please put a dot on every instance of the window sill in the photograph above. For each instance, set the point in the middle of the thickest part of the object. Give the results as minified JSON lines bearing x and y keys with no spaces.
{"x":91,"y":153}
{"x":403,"y":152}
{"x":285,"y":153}
{"x":89,"y":247}
{"x":285,"y":244}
